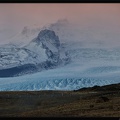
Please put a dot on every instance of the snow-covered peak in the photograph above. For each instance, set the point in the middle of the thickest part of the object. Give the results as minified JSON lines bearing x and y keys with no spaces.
{"x":48,"y":36}
{"x":43,"y":52}
{"x":46,"y":44}
{"x":25,"y":35}
{"x":64,"y":29}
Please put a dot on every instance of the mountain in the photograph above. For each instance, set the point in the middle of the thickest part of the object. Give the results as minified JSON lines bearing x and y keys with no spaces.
{"x":54,"y":47}
{"x":25,"y":35}
{"x":88,"y":67}
{"x":43,"y":52}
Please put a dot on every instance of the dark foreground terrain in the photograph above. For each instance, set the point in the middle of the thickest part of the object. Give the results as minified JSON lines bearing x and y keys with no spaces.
{"x":87,"y":102}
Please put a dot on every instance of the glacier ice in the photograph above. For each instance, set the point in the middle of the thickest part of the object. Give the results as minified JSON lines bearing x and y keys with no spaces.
{"x":80,"y":72}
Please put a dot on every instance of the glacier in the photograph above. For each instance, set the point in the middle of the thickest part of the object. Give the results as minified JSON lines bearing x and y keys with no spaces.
{"x":77,"y":64}
{"x":83,"y":71}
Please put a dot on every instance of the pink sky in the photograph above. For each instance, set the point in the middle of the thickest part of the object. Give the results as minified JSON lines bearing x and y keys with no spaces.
{"x":102,"y":16}
{"x":45,"y":13}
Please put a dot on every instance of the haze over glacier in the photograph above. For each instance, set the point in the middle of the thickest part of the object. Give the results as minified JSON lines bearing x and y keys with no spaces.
{"x":85,"y":63}
{"x":44,"y":52}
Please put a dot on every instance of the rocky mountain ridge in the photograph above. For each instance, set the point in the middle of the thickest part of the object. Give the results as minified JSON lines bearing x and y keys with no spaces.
{"x":43,"y":52}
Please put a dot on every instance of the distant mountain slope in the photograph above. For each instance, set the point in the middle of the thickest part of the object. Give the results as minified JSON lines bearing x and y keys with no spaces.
{"x":43,"y":52}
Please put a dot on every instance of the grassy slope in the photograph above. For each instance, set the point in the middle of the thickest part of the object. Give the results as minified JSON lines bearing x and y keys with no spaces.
{"x":86,"y":102}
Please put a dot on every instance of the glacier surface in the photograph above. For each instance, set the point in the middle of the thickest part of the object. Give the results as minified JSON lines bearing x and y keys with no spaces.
{"x":84,"y":70}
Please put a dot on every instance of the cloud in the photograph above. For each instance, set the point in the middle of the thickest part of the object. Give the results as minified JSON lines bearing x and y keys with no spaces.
{"x":94,"y":21}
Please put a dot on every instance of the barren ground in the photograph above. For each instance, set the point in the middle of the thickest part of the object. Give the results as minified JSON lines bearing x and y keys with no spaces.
{"x":87,"y":102}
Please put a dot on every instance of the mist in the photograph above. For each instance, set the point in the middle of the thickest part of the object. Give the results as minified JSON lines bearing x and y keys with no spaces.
{"x":89,"y":23}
